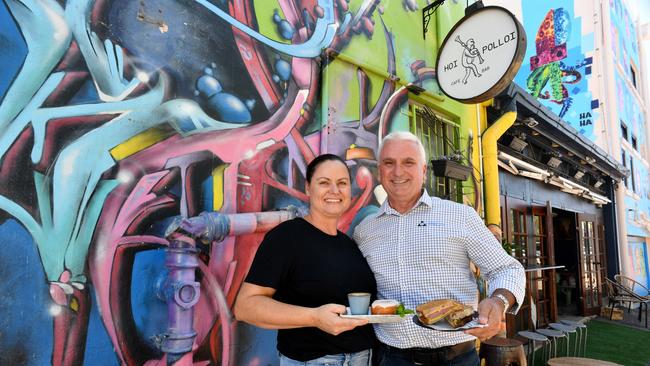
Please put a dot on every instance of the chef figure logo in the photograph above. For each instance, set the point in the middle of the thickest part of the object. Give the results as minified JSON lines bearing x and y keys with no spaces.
{"x":470,"y":54}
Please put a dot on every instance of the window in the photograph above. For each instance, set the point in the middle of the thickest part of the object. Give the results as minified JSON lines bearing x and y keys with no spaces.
{"x":634,"y":144}
{"x":632,"y":174}
{"x":439,"y":138}
{"x":624,"y":161}
{"x":624,"y":130}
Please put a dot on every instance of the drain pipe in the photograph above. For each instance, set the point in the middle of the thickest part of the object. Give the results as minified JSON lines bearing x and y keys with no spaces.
{"x":179,"y":289}
{"x":490,"y":162}
{"x":181,"y":292}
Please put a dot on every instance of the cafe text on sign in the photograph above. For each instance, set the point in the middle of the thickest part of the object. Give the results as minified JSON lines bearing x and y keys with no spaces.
{"x":481,"y":55}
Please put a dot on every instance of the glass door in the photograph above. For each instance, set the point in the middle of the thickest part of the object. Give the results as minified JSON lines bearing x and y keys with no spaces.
{"x":589,"y":264}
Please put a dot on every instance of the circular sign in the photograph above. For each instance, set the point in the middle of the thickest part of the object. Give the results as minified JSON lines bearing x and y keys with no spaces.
{"x":481,"y":55}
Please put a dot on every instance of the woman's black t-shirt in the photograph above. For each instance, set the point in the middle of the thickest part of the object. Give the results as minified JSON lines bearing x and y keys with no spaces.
{"x":308,"y":267}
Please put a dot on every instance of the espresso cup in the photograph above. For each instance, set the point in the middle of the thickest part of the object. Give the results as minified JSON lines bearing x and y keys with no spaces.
{"x":359,"y":303}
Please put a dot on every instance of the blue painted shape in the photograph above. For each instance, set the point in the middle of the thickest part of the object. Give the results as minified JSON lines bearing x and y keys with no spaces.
{"x":588,"y":70}
{"x":99,"y":349}
{"x":595,"y":104}
{"x":149,"y":311}
{"x":86,"y":94}
{"x":26,"y":324}
{"x":13,"y":49}
{"x":207,"y":194}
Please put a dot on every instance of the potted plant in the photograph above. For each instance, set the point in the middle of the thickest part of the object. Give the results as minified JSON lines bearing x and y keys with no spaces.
{"x":451,"y":166}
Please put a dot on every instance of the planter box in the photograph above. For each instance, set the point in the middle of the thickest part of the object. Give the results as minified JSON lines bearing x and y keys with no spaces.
{"x":450,"y":169}
{"x":605,"y":312}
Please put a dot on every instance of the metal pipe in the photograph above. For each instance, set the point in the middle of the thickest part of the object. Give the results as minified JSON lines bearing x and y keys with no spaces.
{"x":490,"y":162}
{"x":181,"y":293}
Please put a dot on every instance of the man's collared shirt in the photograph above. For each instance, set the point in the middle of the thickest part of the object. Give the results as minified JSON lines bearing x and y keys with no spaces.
{"x":424,"y":255}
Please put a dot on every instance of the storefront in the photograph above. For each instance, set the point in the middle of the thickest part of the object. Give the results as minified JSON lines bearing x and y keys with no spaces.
{"x":557,"y":211}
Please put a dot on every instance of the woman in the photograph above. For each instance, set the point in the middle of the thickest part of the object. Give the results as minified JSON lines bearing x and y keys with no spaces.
{"x":302,"y":273}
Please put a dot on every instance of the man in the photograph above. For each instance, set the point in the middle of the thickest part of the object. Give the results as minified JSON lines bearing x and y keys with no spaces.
{"x":419,"y":248}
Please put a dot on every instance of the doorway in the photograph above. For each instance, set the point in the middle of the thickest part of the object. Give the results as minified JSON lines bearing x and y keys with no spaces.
{"x":566,"y":254}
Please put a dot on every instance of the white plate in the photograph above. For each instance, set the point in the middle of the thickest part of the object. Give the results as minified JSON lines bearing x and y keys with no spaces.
{"x":376,"y":318}
{"x":443,"y":326}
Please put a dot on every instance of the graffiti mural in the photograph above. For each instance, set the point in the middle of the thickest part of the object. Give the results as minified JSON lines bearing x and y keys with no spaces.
{"x":119,"y":118}
{"x":626,"y":47}
{"x":556,"y":68}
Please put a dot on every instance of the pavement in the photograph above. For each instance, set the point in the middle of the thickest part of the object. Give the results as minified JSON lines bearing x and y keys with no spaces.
{"x":630,"y":318}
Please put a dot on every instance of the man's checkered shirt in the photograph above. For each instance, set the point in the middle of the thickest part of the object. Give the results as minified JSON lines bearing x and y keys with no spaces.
{"x":424,"y":255}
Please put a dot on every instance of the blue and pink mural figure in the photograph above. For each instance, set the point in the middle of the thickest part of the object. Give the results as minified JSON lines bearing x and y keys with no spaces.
{"x":119,"y":117}
{"x":555,"y":67}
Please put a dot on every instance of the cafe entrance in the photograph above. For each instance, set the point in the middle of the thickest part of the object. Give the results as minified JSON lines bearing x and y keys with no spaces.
{"x":579,"y":247}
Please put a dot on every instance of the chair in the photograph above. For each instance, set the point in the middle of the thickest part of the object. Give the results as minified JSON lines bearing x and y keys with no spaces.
{"x":616,"y":296}
{"x":633,"y":285}
{"x":625,"y":294}
{"x":553,"y":336}
{"x":533,"y":337}
{"x":582,"y":331}
{"x":568,"y":330}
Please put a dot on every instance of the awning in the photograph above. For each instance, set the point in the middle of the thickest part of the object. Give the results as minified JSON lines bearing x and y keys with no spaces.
{"x":556,"y":129}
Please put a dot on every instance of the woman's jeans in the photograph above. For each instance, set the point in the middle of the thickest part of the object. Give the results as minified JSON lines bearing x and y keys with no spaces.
{"x":342,"y":359}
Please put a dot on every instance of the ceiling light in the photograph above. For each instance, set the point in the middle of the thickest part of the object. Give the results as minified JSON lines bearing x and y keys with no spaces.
{"x":530,"y":121}
{"x":553,"y":162}
{"x":579,"y":174}
{"x":599,"y":183}
{"x":518,"y":144}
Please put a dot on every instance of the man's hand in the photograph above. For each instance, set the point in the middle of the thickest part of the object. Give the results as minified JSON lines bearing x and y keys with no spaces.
{"x":327,"y":318}
{"x":490,"y":312}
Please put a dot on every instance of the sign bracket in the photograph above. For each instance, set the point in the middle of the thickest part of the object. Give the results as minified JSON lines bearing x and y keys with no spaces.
{"x":427,"y":13}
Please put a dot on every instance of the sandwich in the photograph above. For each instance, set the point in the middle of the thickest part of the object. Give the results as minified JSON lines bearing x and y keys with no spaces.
{"x":435,"y":310}
{"x":460,"y":317}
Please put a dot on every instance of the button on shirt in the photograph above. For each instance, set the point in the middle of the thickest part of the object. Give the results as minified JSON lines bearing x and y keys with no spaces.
{"x":424,"y":255}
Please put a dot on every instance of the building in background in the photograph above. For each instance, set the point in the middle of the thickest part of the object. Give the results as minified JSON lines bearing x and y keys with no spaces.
{"x":574,"y":167}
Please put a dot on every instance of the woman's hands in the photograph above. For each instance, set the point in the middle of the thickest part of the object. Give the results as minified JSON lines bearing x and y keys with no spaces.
{"x":255,"y":305}
{"x":327,"y":318}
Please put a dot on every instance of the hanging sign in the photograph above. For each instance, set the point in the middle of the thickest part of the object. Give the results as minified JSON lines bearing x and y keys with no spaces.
{"x":481,"y":55}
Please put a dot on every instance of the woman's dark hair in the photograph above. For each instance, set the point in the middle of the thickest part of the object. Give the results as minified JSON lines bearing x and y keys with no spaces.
{"x":311,"y":168}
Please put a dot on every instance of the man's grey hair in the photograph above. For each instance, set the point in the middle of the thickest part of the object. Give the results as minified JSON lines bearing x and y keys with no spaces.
{"x":403,"y":136}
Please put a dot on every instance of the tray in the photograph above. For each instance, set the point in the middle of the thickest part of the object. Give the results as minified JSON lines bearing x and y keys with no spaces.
{"x":443,"y":326}
{"x":375,"y":318}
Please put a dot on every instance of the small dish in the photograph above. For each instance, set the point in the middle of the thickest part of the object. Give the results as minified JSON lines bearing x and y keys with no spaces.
{"x":443,"y":326}
{"x":374,"y":318}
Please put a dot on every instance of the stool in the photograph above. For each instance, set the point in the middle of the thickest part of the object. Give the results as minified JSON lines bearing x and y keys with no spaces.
{"x":568,"y":330}
{"x":499,"y":351}
{"x":552,"y":336}
{"x":582,"y":329}
{"x":533,"y":337}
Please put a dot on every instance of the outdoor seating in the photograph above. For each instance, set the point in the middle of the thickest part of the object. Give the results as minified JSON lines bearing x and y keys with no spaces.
{"x":568,"y":330}
{"x":622,"y":294}
{"x":633,"y":285}
{"x":553,"y":335}
{"x":532,"y":338}
{"x":582,"y":335}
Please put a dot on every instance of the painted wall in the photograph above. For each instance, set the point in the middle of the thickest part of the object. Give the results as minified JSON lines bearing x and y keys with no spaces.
{"x":630,"y":111}
{"x":557,"y":67}
{"x":117,"y":116}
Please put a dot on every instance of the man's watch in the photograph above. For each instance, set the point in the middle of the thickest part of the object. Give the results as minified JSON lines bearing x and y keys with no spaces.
{"x":504,"y":300}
